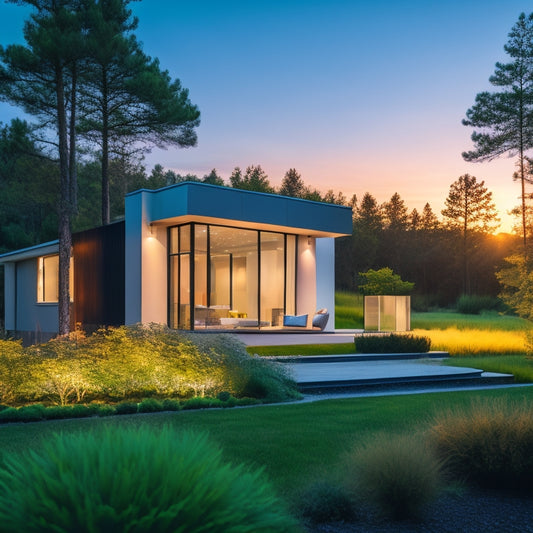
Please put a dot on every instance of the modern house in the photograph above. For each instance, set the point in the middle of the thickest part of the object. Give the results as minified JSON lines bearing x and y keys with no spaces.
{"x":193,"y":256}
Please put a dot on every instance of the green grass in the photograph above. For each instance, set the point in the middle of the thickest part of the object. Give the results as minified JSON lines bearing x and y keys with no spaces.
{"x":295,"y":443}
{"x":303,"y":349}
{"x":486,"y":321}
{"x":348,"y":310}
{"x":520,"y":366}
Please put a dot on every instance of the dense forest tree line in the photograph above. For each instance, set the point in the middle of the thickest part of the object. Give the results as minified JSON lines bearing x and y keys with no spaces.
{"x":422,"y":247}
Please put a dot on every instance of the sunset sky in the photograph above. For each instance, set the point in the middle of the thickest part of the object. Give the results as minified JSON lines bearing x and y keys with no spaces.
{"x":356,"y":95}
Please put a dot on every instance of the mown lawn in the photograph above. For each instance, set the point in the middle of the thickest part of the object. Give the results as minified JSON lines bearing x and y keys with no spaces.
{"x":295,"y":443}
{"x":486,"y":321}
{"x":521,"y":367}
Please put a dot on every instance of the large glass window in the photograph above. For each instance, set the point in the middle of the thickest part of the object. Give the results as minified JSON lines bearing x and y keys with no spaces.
{"x":240,"y":278}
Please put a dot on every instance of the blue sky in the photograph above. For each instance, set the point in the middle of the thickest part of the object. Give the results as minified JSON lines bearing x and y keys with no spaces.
{"x":356,"y":95}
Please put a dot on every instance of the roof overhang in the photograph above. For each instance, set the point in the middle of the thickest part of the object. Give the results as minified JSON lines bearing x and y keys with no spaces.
{"x":204,"y":203}
{"x":46,"y":248}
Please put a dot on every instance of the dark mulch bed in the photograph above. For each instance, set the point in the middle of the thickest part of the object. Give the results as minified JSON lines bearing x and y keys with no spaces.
{"x":468,"y":512}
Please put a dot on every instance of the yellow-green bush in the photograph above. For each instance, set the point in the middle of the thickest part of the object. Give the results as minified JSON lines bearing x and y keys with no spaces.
{"x":135,"y":362}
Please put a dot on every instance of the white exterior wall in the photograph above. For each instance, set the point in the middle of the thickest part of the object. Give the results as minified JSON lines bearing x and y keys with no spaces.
{"x":306,"y":278}
{"x":154,"y":275}
{"x":145,"y":265}
{"x":325,"y":278}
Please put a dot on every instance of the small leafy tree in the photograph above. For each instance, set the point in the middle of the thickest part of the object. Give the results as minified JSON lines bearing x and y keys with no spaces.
{"x":383,"y":281}
{"x":516,"y":280}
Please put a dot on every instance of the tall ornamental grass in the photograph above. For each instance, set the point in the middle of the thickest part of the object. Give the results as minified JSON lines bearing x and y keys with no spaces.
{"x":136,"y":480}
{"x":399,"y":474}
{"x":488,"y":443}
{"x":475,"y":341}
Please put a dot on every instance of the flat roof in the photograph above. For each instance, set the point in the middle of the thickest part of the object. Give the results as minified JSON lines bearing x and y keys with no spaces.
{"x":46,"y":248}
{"x":194,"y":201}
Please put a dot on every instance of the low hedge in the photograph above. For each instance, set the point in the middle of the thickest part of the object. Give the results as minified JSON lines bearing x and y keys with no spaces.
{"x":38,"y":412}
{"x":392,"y":343}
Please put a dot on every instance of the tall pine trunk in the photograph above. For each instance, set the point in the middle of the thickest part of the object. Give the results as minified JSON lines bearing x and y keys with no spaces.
{"x":106,"y":215}
{"x":65,"y":206}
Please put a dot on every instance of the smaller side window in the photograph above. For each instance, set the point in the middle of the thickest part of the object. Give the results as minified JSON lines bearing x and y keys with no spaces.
{"x":48,"y":279}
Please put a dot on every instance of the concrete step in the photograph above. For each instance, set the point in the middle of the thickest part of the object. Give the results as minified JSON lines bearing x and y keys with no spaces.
{"x":353,"y":374}
{"x":475,"y":379}
{"x":360,"y":357}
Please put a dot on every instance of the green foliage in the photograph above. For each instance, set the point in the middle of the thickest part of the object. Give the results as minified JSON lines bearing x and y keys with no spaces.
{"x":15,"y":370}
{"x":488,"y":443}
{"x":471,"y":304}
{"x":150,"y":405}
{"x":129,"y":363}
{"x":383,"y":281}
{"x":516,"y":281}
{"x":223,"y":396}
{"x":400,"y":475}
{"x":126,"y":408}
{"x":326,"y":501}
{"x":135,"y":479}
{"x":254,"y":179}
{"x":393,"y":343}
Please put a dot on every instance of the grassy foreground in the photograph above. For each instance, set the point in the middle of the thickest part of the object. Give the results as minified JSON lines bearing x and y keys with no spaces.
{"x":296,"y":444}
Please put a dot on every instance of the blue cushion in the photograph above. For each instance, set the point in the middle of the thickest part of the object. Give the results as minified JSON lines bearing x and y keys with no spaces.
{"x":299,"y":321}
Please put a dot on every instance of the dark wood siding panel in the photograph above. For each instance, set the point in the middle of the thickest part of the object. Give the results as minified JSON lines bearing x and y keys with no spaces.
{"x":99,"y":276}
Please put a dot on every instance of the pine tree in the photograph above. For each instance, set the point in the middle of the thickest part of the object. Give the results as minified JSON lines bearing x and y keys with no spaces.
{"x":292,"y":184}
{"x":469,"y":209}
{"x":128,"y":101}
{"x":254,"y":179}
{"x":504,"y":119}
{"x":42,"y":78}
